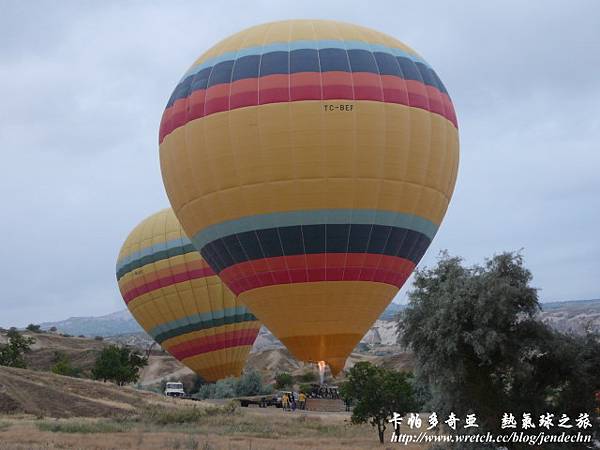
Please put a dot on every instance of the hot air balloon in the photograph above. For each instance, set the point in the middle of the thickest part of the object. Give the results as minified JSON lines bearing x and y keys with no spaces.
{"x":177,"y":298}
{"x":311,"y":162}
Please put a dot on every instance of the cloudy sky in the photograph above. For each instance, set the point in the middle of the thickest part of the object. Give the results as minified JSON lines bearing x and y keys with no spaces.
{"x":83,"y":86}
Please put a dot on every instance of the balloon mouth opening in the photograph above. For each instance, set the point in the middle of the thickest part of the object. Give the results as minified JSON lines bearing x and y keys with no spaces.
{"x":322,"y":365}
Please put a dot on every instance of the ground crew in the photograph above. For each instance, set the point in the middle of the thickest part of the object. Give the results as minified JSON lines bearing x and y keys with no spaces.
{"x":302,"y":401}
{"x":285,"y":402}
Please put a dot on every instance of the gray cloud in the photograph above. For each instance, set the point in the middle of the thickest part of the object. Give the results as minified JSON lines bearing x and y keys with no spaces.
{"x":83,"y":86}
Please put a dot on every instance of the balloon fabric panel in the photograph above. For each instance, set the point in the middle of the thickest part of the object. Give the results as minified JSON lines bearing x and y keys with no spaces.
{"x":311,"y":163}
{"x":178,"y":299}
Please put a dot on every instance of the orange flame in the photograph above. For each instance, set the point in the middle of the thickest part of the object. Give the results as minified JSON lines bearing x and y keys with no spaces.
{"x":322,"y":370}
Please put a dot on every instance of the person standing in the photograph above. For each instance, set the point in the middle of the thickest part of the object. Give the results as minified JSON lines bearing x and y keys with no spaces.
{"x":285,"y":402}
{"x":302,"y":401}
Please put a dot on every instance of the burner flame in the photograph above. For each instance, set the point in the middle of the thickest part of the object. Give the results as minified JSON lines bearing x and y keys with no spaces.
{"x":322,"y":366}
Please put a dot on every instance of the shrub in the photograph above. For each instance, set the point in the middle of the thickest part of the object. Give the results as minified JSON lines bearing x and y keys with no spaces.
{"x":12,"y":353}
{"x":84,"y":427}
{"x":98,"y":338}
{"x":308,"y":377}
{"x":283,"y":380}
{"x":33,"y":328}
{"x":120,"y":365}
{"x":63,"y":366}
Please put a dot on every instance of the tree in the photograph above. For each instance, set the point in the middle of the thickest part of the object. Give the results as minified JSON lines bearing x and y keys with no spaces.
{"x":62,"y":366}
{"x":480,"y":349}
{"x":120,"y":365}
{"x":250,"y":383}
{"x":283,"y":380}
{"x":308,"y":377}
{"x":377,"y":394}
{"x":33,"y":328}
{"x":13,"y":353}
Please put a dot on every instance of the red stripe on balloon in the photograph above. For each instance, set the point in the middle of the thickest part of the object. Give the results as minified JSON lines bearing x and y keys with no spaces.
{"x":305,"y":86}
{"x":214,"y":342}
{"x":317,"y":267}
{"x":132,"y":294}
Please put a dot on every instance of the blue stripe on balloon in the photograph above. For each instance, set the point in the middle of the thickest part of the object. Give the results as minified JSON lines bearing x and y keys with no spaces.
{"x":210,"y":318}
{"x":151,"y":249}
{"x":314,"y":217}
{"x":298,"y":45}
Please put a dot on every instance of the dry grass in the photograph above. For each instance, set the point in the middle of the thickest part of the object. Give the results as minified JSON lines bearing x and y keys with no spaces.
{"x":196,"y":428}
{"x":83,"y":427}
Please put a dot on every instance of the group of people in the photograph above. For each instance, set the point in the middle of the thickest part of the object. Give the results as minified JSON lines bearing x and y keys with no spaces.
{"x":290,"y":403}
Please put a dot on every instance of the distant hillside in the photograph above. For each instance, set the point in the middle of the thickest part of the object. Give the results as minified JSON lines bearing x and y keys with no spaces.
{"x":120,"y":322}
{"x":572,"y":317}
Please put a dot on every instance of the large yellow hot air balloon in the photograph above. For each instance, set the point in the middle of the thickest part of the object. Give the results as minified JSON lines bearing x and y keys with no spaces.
{"x":177,"y":298}
{"x":311,"y":162}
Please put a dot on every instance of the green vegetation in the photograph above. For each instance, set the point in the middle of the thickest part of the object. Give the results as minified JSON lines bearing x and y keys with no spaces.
{"x":63,"y":366}
{"x":4,"y":425}
{"x":248,"y":384}
{"x":120,"y":365}
{"x":377,"y":394}
{"x":101,"y":426}
{"x":480,"y":349}
{"x":308,"y":377}
{"x":160,"y":415}
{"x":12,"y":353}
{"x":34,"y":328}
{"x":283,"y":380}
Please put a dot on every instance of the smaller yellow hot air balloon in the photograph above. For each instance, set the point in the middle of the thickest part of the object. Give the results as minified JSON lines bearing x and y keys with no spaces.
{"x":177,"y":298}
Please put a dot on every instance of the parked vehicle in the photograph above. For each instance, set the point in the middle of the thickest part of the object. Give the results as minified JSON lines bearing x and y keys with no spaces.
{"x":174,"y":389}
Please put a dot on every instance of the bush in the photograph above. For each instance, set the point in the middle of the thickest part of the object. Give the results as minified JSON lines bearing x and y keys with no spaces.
{"x":247,"y":385}
{"x":251,"y":384}
{"x":283,"y":380}
{"x":160,"y":415}
{"x":98,"y":338}
{"x":12,"y":353}
{"x":119,"y":365}
{"x":206,"y":391}
{"x":33,"y":328}
{"x":308,"y":377}
{"x":63,"y":366}
{"x":305,"y":387}
{"x":84,"y":427}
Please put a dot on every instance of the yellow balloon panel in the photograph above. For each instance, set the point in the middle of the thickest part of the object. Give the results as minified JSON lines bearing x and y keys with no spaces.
{"x":177,"y":298}
{"x":311,"y":163}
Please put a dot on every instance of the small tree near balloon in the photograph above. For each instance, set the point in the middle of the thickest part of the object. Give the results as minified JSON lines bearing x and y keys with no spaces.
{"x":120,"y":365}
{"x":377,"y":394}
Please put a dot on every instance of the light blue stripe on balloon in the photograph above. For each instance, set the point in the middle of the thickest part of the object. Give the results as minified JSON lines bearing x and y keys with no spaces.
{"x":197,"y":318}
{"x":151,"y":249}
{"x":314,"y":217}
{"x":299,"y":45}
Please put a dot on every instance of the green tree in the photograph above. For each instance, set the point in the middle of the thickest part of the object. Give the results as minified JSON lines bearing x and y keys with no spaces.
{"x":283,"y":380}
{"x":62,"y":366}
{"x":12,"y":354}
{"x":308,"y":377}
{"x":377,"y":394}
{"x":33,"y":328}
{"x":480,"y":349}
{"x":251,"y":383}
{"x":120,"y":365}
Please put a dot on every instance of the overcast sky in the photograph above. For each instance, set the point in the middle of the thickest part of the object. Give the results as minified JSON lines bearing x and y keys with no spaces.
{"x":83,"y":86}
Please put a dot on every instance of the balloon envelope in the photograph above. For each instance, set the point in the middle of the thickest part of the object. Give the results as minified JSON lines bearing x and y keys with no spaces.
{"x":177,"y":298}
{"x":311,"y":162}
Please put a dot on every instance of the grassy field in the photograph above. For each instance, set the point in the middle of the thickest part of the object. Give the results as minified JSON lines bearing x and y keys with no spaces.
{"x":203,"y":427}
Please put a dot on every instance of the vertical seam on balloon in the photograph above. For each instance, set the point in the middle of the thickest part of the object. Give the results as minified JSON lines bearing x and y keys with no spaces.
{"x":235,"y":350}
{"x":176,"y":286}
{"x":382,"y":163}
{"x":321,"y":136}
